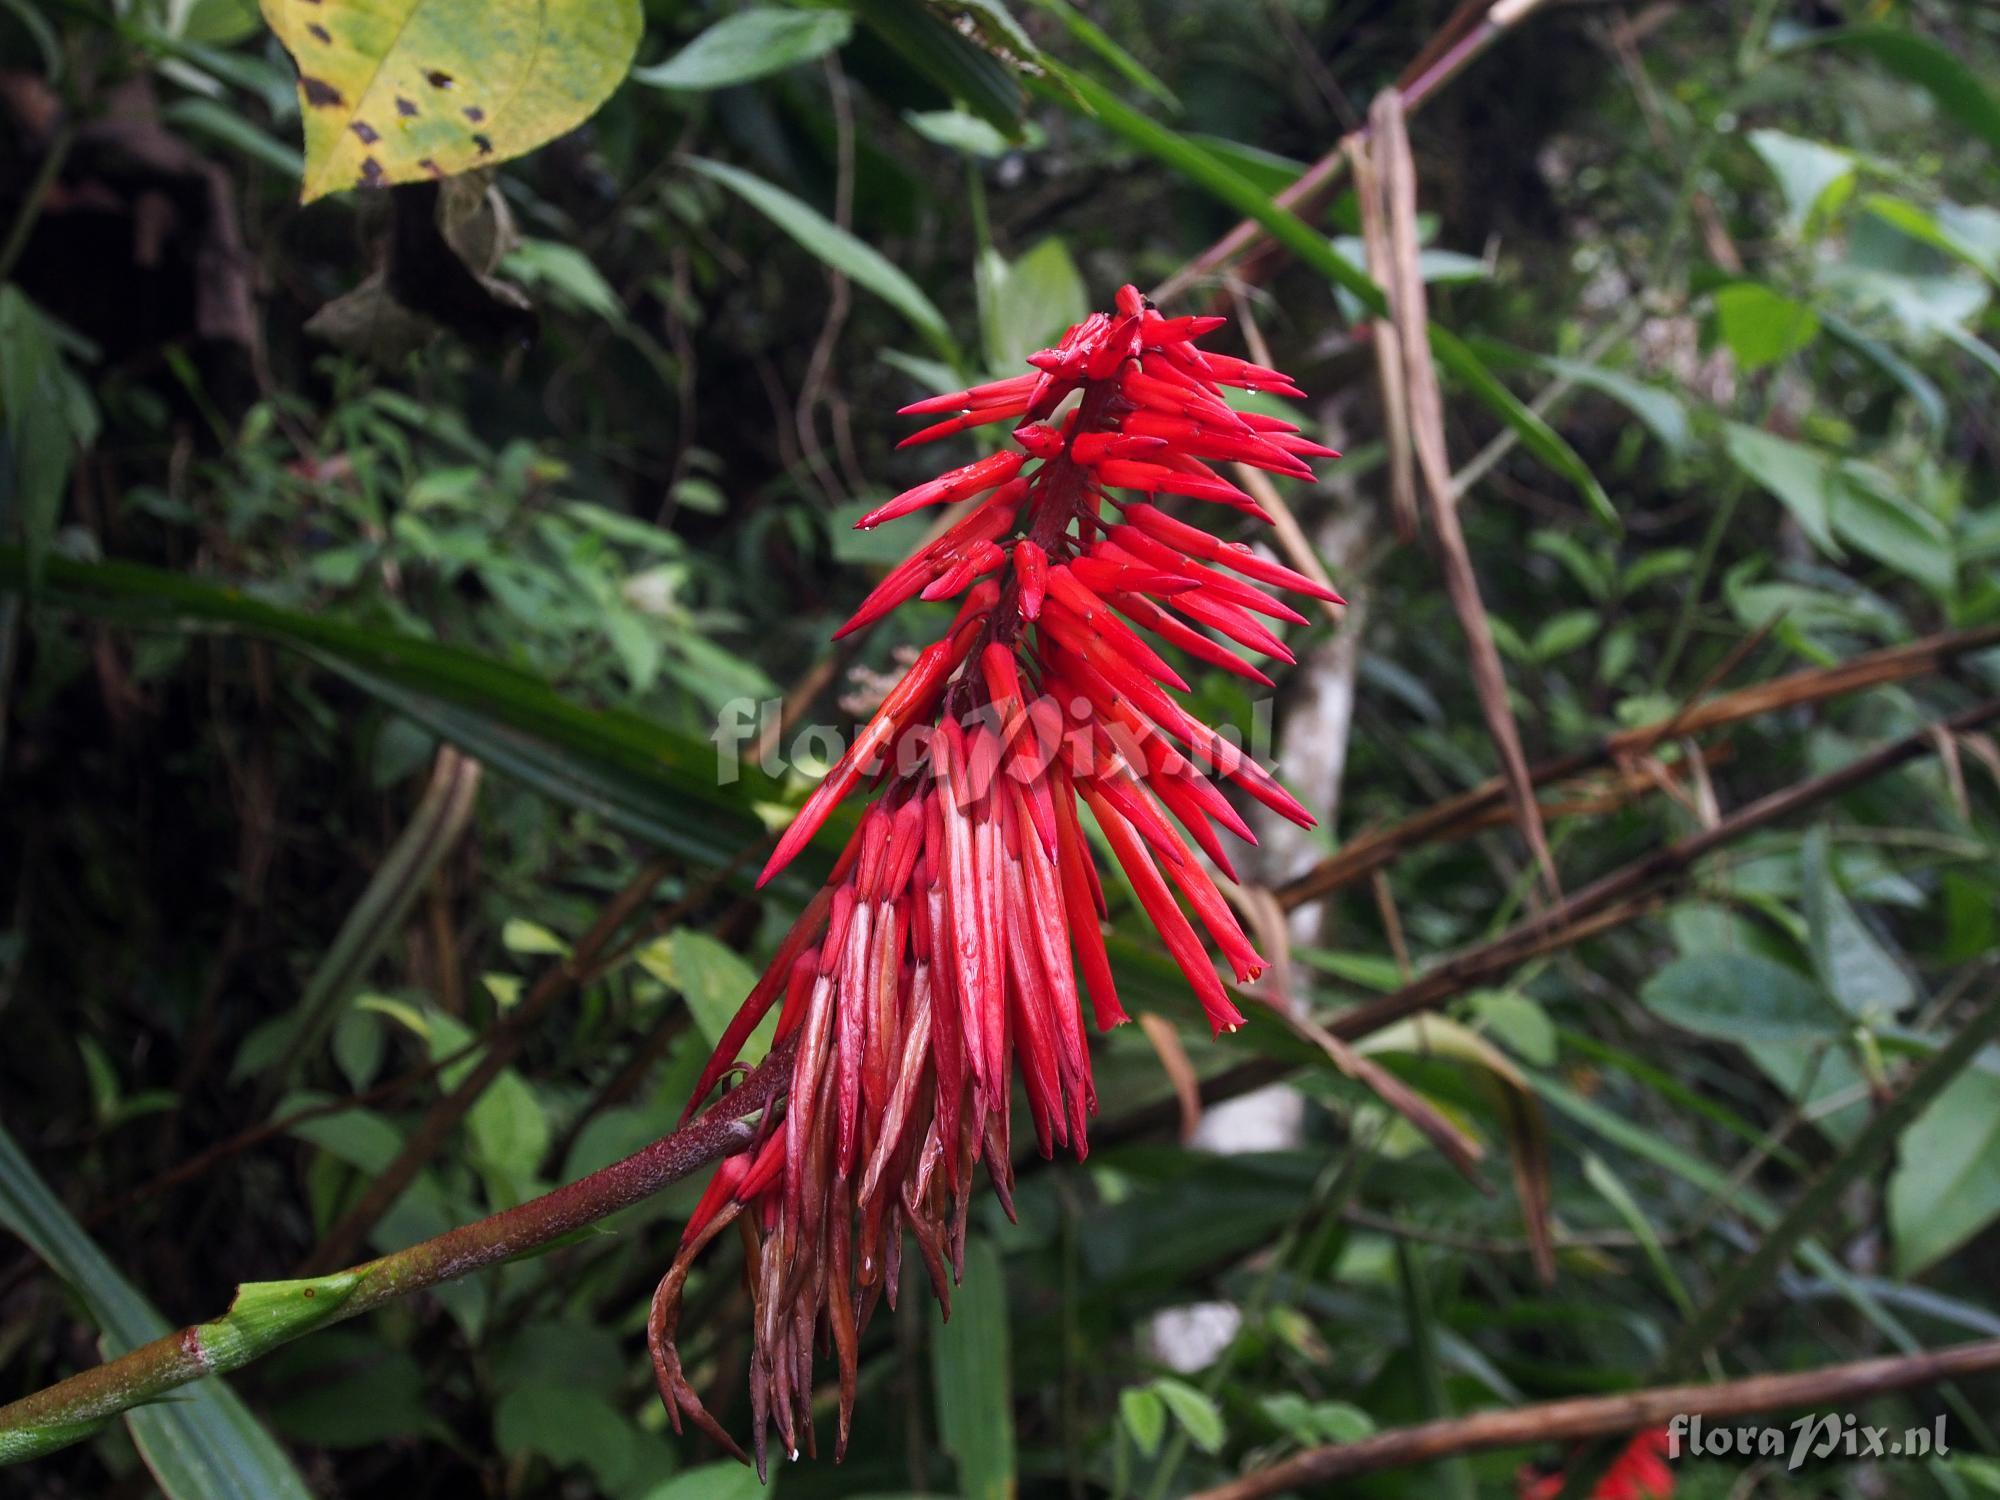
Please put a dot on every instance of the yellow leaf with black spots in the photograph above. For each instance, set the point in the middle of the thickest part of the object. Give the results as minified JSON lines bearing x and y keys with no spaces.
{"x":404,"y":90}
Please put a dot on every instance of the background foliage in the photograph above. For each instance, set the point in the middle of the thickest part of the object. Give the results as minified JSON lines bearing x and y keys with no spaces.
{"x":553,"y":464}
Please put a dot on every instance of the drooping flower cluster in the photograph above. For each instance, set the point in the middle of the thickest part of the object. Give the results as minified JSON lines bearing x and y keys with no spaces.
{"x":960,"y":929}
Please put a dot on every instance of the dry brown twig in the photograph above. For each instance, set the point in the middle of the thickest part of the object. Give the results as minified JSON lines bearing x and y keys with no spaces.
{"x":1601,"y":1416}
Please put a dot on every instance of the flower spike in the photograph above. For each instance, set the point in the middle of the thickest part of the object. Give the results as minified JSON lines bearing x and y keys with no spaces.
{"x":959,"y":935}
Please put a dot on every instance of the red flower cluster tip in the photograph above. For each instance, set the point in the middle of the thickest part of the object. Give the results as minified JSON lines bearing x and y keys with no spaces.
{"x":960,"y":928}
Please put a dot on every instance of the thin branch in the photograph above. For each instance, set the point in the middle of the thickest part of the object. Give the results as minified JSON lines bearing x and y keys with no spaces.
{"x":1627,"y":893}
{"x":1458,"y":816}
{"x":1597,"y":1416}
{"x":1432,"y":68}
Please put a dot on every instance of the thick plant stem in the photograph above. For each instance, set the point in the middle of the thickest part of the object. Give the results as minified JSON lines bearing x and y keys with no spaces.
{"x":282,"y":1311}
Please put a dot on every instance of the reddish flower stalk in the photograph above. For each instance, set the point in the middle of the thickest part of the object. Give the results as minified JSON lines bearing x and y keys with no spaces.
{"x":960,"y":929}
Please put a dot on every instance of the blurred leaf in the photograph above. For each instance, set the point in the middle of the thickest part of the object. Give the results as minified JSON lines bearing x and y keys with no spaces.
{"x":38,"y":422}
{"x":1198,"y":1415}
{"x":1852,"y":965}
{"x":1813,"y":177}
{"x":347,"y":1389}
{"x":509,"y":1133}
{"x":1762,"y":327}
{"x":1965,"y":235}
{"x":519,"y":935}
{"x":1659,"y":408}
{"x":226,"y":126}
{"x":1612,"y":1189}
{"x":202,"y":1445}
{"x":962,"y":132}
{"x":1892,"y":530}
{"x":1089,"y":34}
{"x":1946,"y":1185}
{"x":1216,"y":177}
{"x":1025,"y":305}
{"x":1562,"y":633}
{"x":565,"y":271}
{"x":1309,"y":1422}
{"x":967,"y":72}
{"x":713,"y":978}
{"x":1518,"y":1021}
{"x":1739,"y":997}
{"x":648,"y":778}
{"x":972,"y":1378}
{"x":748,"y":44}
{"x":408,"y":90}
{"x":1955,"y":87}
{"x":1145,"y":1417}
{"x":727,"y":1480}
{"x":1800,"y":477}
{"x":571,"y":1428}
{"x":837,"y":248}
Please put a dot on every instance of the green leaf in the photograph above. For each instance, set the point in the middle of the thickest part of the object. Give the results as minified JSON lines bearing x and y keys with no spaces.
{"x":37,"y":421}
{"x":1760,"y":326}
{"x":1089,"y":34}
{"x":974,"y":1391}
{"x":1956,"y":88}
{"x":1612,"y":1189}
{"x":1852,"y":964}
{"x":719,"y":1481}
{"x":967,"y":72}
{"x":649,"y":779}
{"x":1025,"y":305}
{"x":1801,"y":478}
{"x":1563,"y":633}
{"x":1659,"y":408}
{"x":202,"y":1445}
{"x":571,"y":1428}
{"x":1739,"y":997}
{"x":753,"y":43}
{"x":348,"y":1389}
{"x":1946,"y":1186}
{"x":1892,"y":530}
{"x":1308,"y":1422}
{"x":837,"y":248}
{"x":1145,"y":1417}
{"x":1200,"y":1418}
{"x":1518,"y":1021}
{"x":509,"y":1133}
{"x":228,"y":127}
{"x":712,"y":977}
{"x":1964,"y":234}
{"x":1220,"y":180}
{"x":570,"y":275}
{"x":407,"y":90}
{"x":1814,"y":177}
{"x":519,"y":935}
{"x":960,"y":131}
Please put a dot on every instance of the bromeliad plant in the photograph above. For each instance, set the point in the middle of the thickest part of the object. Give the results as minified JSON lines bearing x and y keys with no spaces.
{"x":959,"y":931}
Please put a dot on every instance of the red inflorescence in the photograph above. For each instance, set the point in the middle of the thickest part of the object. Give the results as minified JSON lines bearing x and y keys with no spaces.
{"x":960,"y":927}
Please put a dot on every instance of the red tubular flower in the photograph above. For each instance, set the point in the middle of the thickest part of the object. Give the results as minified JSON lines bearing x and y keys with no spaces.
{"x":958,"y":935}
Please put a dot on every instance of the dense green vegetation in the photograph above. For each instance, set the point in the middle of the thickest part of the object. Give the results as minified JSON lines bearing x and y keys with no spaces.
{"x":376,"y":572}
